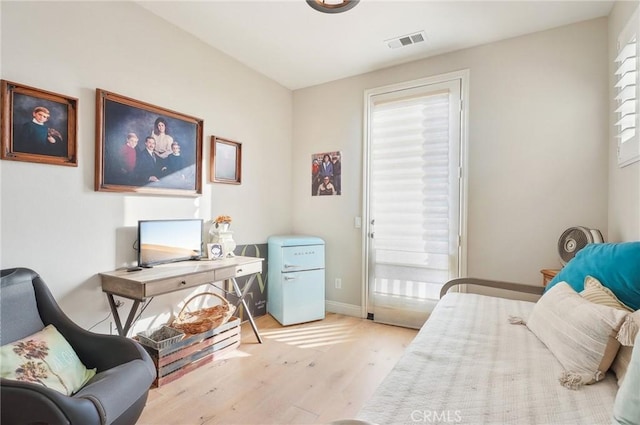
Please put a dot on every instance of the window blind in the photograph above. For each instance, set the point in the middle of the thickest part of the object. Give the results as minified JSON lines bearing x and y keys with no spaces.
{"x":410,"y":182}
{"x":626,"y":97}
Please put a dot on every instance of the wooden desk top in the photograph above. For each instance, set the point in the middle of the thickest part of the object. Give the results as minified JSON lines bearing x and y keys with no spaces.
{"x":165,"y":278}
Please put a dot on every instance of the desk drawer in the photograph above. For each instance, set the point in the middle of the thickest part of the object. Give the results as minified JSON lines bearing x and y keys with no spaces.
{"x":163,"y":286}
{"x":226,"y":273}
{"x":247,"y":269}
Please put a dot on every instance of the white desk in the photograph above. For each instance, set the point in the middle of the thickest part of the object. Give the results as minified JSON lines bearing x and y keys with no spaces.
{"x":166,"y":278}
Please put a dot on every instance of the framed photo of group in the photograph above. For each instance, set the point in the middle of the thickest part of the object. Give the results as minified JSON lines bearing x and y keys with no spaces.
{"x":146,"y":149}
{"x":326,"y":173}
{"x":226,"y":161}
{"x":38,"y":125}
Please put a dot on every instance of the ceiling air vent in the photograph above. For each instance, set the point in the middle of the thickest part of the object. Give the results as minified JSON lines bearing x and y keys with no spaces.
{"x":406,"y":40}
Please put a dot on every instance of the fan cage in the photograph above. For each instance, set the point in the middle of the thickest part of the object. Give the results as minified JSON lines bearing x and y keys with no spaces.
{"x":574,"y":239}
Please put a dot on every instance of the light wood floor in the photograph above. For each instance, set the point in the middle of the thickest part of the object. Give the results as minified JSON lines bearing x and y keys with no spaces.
{"x":312,"y":373}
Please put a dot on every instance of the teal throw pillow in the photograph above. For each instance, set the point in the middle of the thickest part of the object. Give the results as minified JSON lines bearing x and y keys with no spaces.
{"x":615,"y":265}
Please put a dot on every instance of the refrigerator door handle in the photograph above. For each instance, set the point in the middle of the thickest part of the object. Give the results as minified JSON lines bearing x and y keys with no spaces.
{"x":289,"y":278}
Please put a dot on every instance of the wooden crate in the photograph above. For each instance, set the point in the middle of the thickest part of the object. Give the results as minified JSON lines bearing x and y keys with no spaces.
{"x":194,"y":351}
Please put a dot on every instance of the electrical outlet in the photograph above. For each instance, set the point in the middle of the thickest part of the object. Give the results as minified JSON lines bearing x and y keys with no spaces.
{"x":338,"y":283}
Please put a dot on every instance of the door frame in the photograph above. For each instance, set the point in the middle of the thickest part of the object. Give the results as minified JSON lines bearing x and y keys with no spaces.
{"x":462,"y":76}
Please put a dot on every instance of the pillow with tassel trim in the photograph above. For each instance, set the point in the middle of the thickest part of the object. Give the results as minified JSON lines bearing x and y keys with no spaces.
{"x":583,"y":336}
{"x":595,"y":292}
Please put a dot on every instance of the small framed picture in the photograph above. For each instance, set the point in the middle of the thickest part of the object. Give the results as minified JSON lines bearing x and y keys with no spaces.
{"x":38,"y":125}
{"x":214,"y":251}
{"x":326,"y":173}
{"x":226,"y":161}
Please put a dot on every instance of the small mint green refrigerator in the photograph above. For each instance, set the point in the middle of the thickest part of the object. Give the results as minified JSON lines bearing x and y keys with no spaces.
{"x":296,"y":289}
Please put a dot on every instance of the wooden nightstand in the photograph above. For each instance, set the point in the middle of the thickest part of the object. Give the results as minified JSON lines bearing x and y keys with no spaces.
{"x":547,"y":275}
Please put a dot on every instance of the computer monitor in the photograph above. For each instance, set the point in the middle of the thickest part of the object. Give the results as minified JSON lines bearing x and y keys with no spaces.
{"x":167,"y":241}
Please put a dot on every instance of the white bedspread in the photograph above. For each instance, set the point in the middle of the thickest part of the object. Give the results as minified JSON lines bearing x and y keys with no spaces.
{"x":469,"y":365}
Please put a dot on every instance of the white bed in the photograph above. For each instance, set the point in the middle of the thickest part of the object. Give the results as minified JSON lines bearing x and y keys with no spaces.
{"x":469,"y":364}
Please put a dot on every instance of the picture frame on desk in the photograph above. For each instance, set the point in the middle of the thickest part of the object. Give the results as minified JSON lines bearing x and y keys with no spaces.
{"x":145,"y":149}
{"x":215,"y":251}
{"x":38,"y":125}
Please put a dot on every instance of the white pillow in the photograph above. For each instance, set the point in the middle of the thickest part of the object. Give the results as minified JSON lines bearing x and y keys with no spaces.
{"x":579,"y":333}
{"x":626,"y":408}
{"x":597,"y":293}
{"x":623,"y":358}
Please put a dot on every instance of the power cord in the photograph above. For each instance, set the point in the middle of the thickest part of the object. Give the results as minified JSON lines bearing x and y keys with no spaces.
{"x":108,"y":315}
{"x":142,"y":309}
{"x":120,"y":304}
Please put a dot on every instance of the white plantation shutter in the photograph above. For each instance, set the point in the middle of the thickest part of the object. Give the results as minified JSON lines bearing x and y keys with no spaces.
{"x":626,"y":75}
{"x":413,"y":202}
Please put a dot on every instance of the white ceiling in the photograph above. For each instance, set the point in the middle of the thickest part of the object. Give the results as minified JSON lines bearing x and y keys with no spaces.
{"x":295,"y":45}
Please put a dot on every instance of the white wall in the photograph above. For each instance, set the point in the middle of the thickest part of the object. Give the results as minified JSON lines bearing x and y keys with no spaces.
{"x":624,"y":183}
{"x":538,"y":153}
{"x":52,"y":220}
{"x":538,"y":128}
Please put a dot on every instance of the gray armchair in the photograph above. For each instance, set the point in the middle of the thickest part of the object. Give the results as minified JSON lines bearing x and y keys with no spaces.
{"x":115,"y":395}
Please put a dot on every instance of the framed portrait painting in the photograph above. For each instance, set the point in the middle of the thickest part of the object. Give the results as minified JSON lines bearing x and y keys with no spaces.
{"x":226,"y":161}
{"x":146,"y":149}
{"x":38,"y":125}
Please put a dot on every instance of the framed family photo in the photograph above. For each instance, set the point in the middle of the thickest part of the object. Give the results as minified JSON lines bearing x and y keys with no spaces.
{"x":326,"y":173}
{"x":146,"y":149}
{"x":38,"y":125}
{"x":226,"y":161}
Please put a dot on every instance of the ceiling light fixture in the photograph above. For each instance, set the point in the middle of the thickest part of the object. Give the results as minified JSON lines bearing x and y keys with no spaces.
{"x":332,"y":6}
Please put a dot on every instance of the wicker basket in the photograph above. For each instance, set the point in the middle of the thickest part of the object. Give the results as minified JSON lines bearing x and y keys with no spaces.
{"x":160,"y":338}
{"x":204,"y":319}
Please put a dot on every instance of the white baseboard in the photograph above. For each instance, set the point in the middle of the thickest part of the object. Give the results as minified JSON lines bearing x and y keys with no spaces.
{"x":342,"y":308}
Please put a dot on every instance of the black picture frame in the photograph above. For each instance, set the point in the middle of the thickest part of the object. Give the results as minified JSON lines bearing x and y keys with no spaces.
{"x":38,"y":125}
{"x":215,"y":251}
{"x":121,"y":167}
{"x":333,"y":173}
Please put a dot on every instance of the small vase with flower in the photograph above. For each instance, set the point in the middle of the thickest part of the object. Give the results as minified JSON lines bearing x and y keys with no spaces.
{"x":220,"y":233}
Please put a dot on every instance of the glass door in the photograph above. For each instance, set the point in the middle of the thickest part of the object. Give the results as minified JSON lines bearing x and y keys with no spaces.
{"x":413,"y":206}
